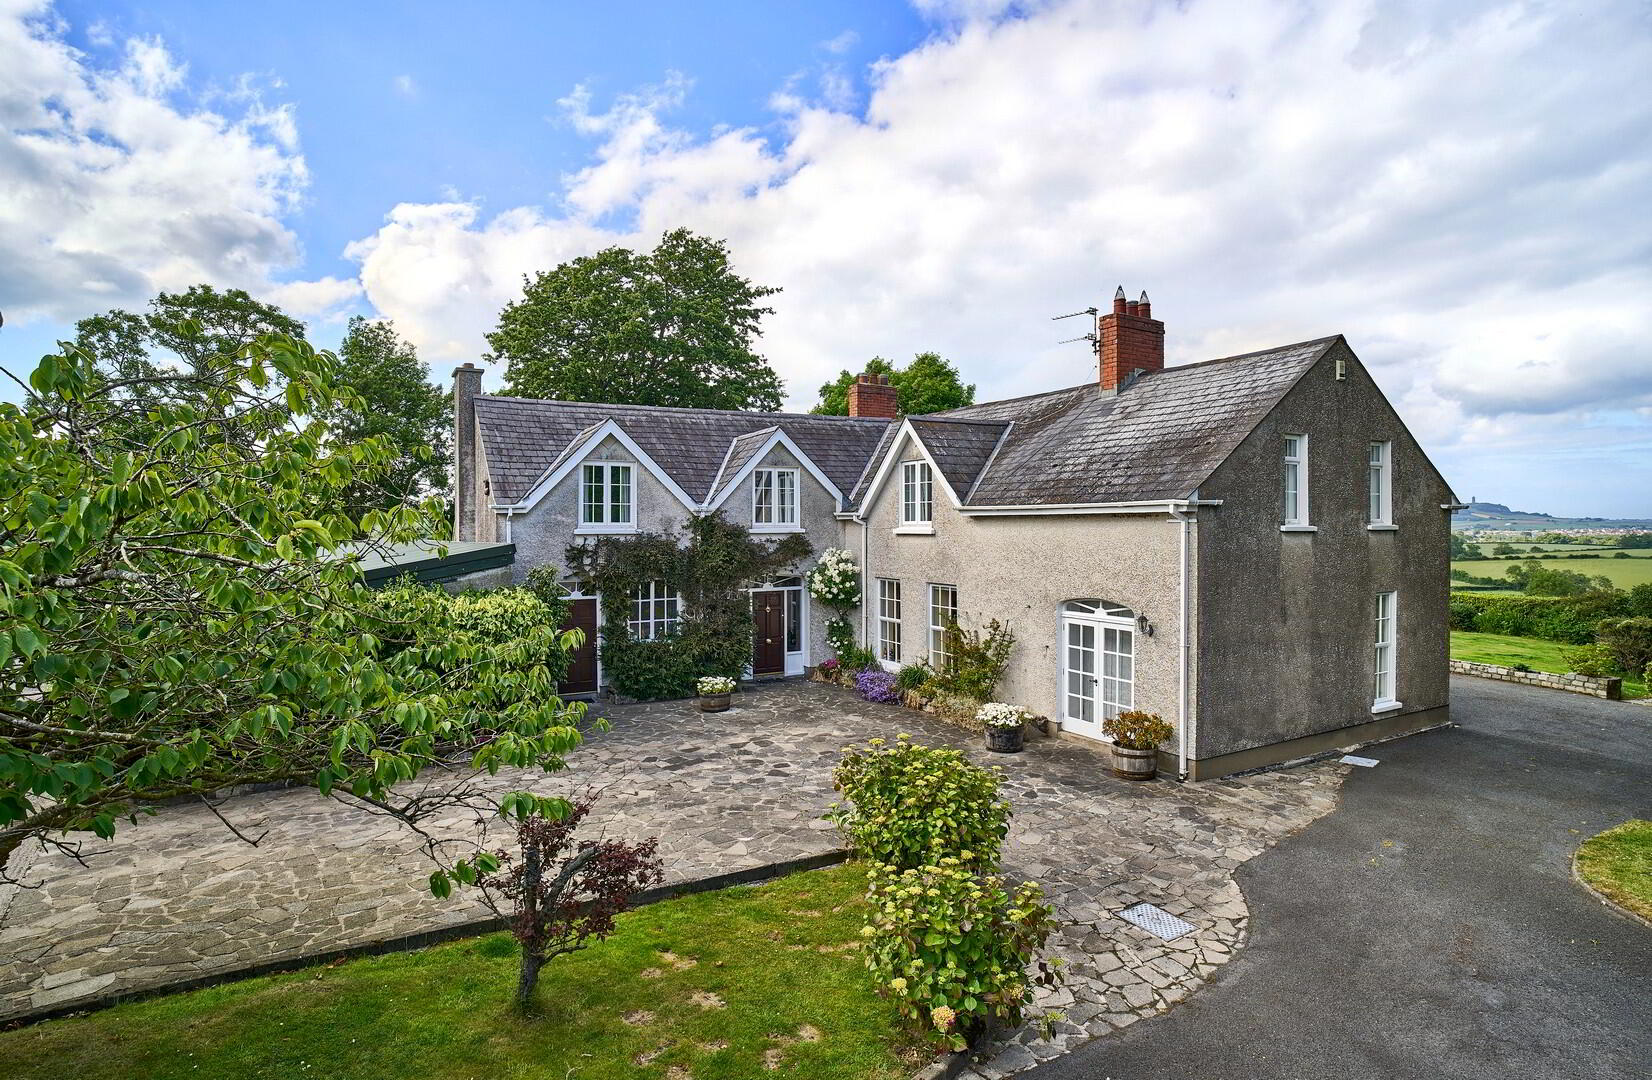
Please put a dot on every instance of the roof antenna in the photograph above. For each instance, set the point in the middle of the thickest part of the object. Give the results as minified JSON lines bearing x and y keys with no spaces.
{"x":1090,"y":337}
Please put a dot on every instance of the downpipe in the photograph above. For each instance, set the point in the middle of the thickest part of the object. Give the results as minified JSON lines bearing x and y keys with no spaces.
{"x":1185,"y":520}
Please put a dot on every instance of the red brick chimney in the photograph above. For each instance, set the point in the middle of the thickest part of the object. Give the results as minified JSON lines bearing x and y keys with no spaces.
{"x":871,"y":395}
{"x":1128,"y":339}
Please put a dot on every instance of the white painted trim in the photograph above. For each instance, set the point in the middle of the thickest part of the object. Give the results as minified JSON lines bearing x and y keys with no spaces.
{"x":1151,"y":506}
{"x":914,"y":530}
{"x":796,"y":524}
{"x":1387,"y":706}
{"x":1382,"y":528}
{"x":609,"y":428}
{"x":779,"y":438}
{"x":1299,"y":528}
{"x":1304,"y":514}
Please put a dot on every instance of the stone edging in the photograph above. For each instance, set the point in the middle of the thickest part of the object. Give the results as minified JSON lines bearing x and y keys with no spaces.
{"x":1609,"y":687}
{"x":1605,"y":900}
{"x":422,"y":939}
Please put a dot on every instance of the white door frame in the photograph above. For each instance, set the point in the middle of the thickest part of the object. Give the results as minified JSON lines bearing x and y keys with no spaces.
{"x":797,"y":661}
{"x":1098,"y":623}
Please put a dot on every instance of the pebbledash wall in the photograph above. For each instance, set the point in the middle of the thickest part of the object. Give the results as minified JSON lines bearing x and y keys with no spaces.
{"x":1609,"y":687}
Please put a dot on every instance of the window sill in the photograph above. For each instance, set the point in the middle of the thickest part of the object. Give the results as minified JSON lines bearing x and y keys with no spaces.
{"x":606,"y":530}
{"x":1383,"y":528}
{"x":1299,"y":528}
{"x":777,"y":528}
{"x":915,"y":530}
{"x":1387,"y":706}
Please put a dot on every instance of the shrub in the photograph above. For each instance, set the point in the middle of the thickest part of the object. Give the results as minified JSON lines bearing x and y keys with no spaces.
{"x":1640,"y":600}
{"x":952,"y":948}
{"x":975,"y":659}
{"x":1521,"y":666}
{"x":858,"y":658}
{"x":1569,"y":619}
{"x":1629,"y":641}
{"x":1135,"y":730}
{"x":875,"y":684}
{"x":908,"y":805}
{"x":829,"y":668}
{"x":1589,"y":659}
{"x":913,"y":677}
{"x":1462,"y":615}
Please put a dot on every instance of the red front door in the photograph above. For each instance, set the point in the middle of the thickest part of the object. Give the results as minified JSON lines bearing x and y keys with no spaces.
{"x":768,"y":646}
{"x":582,"y":669}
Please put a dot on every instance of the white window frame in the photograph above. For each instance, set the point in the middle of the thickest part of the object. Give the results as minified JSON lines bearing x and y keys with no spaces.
{"x":775,"y":500}
{"x":656,"y":609}
{"x":1293,"y":484}
{"x":1379,"y":485}
{"x":606,"y":520}
{"x":938,"y":620}
{"x":1386,"y":652}
{"x":917,"y":497}
{"x":889,"y":620}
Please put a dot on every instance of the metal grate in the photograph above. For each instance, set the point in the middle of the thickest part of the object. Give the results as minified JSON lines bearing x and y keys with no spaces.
{"x":1364,"y":762}
{"x":1156,"y":921}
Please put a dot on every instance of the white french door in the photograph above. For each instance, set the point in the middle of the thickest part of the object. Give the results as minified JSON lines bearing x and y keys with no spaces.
{"x":1098,"y":678}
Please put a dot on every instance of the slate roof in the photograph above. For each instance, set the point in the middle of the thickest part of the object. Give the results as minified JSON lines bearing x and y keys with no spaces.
{"x":523,"y":437}
{"x":1158,"y":438}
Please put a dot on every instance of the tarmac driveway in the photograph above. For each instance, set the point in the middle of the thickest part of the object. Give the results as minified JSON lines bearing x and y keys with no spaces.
{"x":1429,"y":926}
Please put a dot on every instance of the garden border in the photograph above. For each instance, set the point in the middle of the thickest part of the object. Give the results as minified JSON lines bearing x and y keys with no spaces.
{"x":751,"y":875}
{"x":1609,"y":687}
{"x":1606,"y":901}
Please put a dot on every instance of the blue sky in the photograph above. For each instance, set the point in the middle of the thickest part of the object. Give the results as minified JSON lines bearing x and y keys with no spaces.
{"x":1458,"y":188}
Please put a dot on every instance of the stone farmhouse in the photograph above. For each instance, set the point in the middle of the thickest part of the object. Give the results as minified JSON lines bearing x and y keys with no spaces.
{"x":1254,"y":547}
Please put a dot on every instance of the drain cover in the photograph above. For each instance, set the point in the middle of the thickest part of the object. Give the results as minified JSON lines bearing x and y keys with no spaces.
{"x":1355,"y":759}
{"x":1156,"y":921}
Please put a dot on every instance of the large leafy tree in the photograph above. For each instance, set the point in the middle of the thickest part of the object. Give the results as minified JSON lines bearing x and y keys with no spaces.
{"x":395,"y":401}
{"x":177,"y":618}
{"x":674,"y":326}
{"x":127,"y":343}
{"x":928,"y":384}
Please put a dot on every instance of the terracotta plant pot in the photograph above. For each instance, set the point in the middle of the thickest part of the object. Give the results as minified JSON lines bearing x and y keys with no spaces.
{"x":1005,"y":740}
{"x":714,"y":702}
{"x":1131,"y":764}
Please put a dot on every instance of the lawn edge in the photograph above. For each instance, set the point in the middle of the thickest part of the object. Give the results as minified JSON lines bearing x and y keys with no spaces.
{"x":418,"y":940}
{"x":1606,"y":901}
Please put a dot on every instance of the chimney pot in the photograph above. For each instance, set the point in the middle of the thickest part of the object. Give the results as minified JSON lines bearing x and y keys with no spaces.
{"x":1128,"y":340}
{"x":871,"y":395}
{"x":1118,"y":300}
{"x":1144,"y":307}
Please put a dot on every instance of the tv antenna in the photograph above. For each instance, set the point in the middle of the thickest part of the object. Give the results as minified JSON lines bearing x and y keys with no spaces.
{"x":1091,"y":337}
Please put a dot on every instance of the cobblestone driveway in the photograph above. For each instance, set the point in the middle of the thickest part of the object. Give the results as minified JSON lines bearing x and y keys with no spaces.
{"x":178,"y":897}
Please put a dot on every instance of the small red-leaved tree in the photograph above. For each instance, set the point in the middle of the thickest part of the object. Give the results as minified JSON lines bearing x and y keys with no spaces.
{"x":557,"y":894}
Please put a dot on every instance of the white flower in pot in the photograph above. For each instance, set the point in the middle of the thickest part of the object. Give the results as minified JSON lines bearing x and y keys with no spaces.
{"x":1004,"y":725}
{"x":714,"y":692}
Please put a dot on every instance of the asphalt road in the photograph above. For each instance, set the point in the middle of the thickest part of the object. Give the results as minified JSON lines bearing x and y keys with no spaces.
{"x":1429,"y":926}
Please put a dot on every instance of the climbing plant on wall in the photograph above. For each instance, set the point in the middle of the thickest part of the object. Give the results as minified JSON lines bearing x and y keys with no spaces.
{"x":708,"y":564}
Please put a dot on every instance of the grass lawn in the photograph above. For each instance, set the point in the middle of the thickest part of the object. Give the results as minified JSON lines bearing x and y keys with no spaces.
{"x":1618,"y":863}
{"x":703,"y":986}
{"x":1536,"y":653}
{"x":1625,"y":573}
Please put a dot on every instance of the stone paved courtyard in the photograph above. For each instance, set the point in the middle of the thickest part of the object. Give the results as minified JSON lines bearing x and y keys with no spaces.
{"x":179,"y":897}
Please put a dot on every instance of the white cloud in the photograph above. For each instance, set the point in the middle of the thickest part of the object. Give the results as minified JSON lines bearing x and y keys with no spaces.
{"x":112,"y":187}
{"x":405,"y":86}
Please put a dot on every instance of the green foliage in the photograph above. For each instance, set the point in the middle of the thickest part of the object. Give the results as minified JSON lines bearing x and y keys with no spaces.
{"x":1504,"y":549}
{"x":1462,"y":548}
{"x":975,"y":660}
{"x":910,"y":805}
{"x":840,"y":635}
{"x":1640,"y":600}
{"x":124,"y":345}
{"x":1136,"y":730}
{"x":393,"y":399}
{"x":1539,"y":580}
{"x":178,"y":618}
{"x":708,"y":563}
{"x":1589,"y":660}
{"x":1635,"y":540}
{"x":928,"y":384}
{"x":913,"y":677}
{"x":1629,"y":641}
{"x":1567,"y":619}
{"x":952,"y":948}
{"x":674,"y":326}
{"x":857,"y":658}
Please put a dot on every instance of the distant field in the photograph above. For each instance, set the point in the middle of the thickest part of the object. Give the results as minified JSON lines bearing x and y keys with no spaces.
{"x":1485,"y":547}
{"x":1535,"y":653}
{"x":1625,"y":573}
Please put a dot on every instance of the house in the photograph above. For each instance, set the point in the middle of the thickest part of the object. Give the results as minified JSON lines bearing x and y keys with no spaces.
{"x":1254,"y":547}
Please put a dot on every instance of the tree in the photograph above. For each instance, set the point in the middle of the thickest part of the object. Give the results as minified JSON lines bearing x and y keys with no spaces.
{"x":394,"y":400}
{"x":555,"y":901}
{"x":125,"y":343}
{"x":1505,"y":549}
{"x":674,"y":326}
{"x":1462,"y":548}
{"x":1635,"y":540}
{"x":928,"y":384}
{"x":176,"y":619}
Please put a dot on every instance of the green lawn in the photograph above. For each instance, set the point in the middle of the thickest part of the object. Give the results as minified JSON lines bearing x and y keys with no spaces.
{"x":1624,"y":573}
{"x":703,"y":986}
{"x":1536,"y":653}
{"x":1618,"y":863}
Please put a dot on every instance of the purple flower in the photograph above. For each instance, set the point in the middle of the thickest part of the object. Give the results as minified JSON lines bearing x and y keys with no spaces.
{"x":877,"y":685}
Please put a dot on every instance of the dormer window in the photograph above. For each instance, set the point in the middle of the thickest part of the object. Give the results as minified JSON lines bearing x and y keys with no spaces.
{"x":917,"y":493}
{"x":607,"y":497}
{"x":774,"y":499}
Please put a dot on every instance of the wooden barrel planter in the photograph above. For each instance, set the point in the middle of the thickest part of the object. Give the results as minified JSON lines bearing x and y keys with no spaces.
{"x":714,"y":702}
{"x":1131,"y":764}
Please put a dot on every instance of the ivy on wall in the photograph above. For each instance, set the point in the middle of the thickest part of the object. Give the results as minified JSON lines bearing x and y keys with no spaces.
{"x":708,"y":563}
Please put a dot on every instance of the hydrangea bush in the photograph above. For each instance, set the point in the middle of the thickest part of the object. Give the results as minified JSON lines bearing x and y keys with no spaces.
{"x":908,"y":805}
{"x":953,"y":949}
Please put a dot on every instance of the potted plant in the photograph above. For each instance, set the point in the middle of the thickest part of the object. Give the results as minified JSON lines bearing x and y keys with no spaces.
{"x":714,"y":692}
{"x":1004,"y":726}
{"x":1136,"y":737}
{"x":827,"y":670}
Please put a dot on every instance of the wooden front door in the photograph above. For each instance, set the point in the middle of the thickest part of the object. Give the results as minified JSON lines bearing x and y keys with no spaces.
{"x":582,"y":669}
{"x":768,"y":646}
